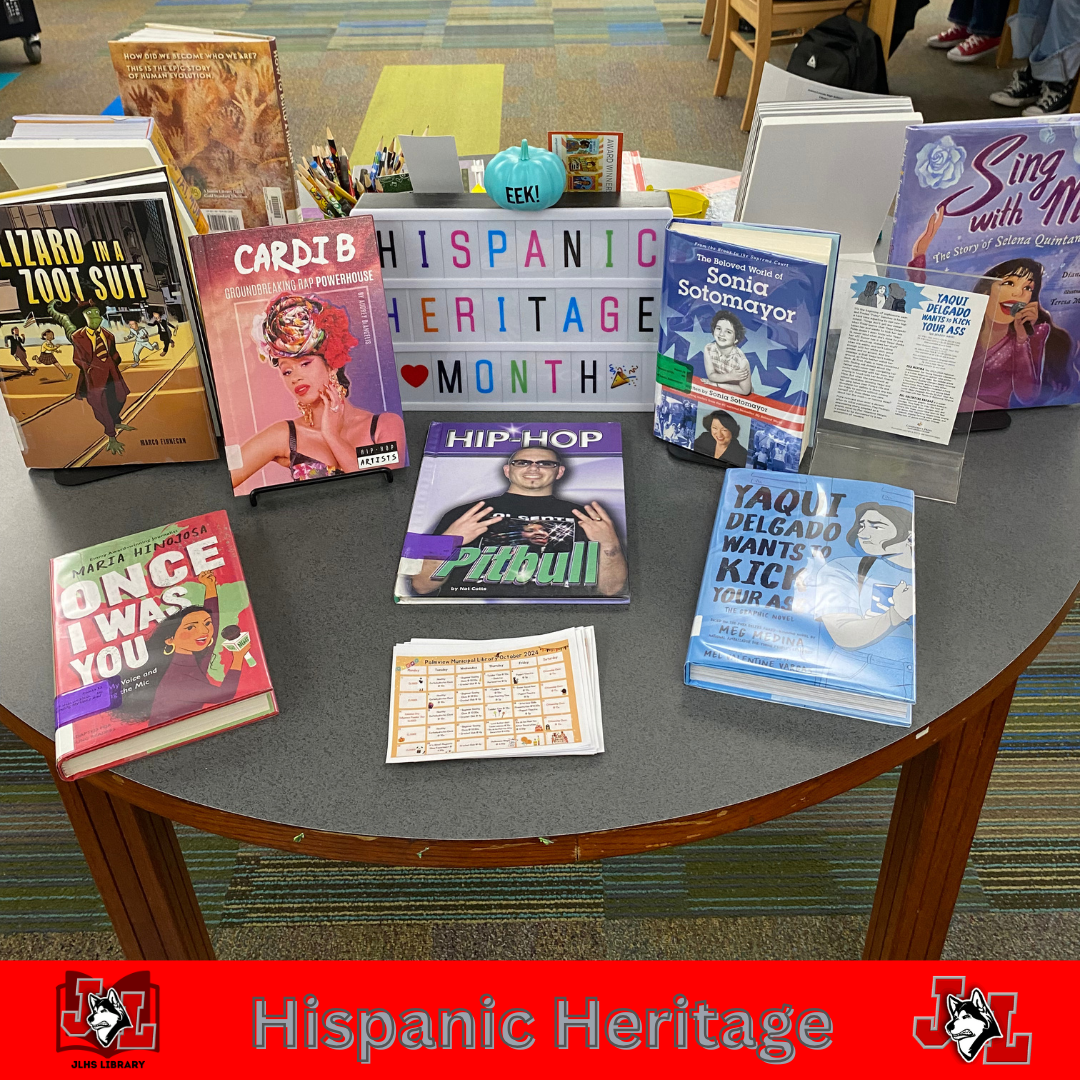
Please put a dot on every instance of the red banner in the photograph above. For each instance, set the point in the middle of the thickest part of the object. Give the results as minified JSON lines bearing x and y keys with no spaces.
{"x":538,"y":1019}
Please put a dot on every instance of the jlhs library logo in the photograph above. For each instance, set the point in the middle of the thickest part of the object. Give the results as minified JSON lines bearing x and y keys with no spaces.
{"x":975,"y":1024}
{"x":107,"y":1020}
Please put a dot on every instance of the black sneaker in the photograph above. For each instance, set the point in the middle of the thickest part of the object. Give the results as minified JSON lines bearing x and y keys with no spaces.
{"x":1054,"y":97}
{"x":1023,"y":90}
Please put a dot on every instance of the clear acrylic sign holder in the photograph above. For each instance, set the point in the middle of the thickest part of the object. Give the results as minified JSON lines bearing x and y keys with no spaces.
{"x":930,"y":468}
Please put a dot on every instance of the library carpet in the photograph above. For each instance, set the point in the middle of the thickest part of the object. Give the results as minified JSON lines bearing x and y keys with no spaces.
{"x":800,"y":887}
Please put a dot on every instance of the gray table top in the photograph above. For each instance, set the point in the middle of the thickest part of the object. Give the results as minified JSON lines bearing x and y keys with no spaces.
{"x":320,"y":563}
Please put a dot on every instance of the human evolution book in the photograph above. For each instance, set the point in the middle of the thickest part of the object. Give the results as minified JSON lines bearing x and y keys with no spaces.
{"x":808,"y":596}
{"x":301,"y":352}
{"x":505,"y":513}
{"x":103,"y":358}
{"x":1000,"y":200}
{"x":743,"y":328}
{"x":216,"y":97}
{"x":154,"y":645}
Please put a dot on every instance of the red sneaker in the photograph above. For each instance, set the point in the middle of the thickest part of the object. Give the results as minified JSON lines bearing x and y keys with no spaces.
{"x":975,"y":46}
{"x":948,"y":38}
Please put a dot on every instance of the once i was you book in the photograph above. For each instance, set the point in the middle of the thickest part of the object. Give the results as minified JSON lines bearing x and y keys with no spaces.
{"x":743,"y":330}
{"x":300,"y":347}
{"x":154,"y":645}
{"x":505,"y":513}
{"x":808,"y":596}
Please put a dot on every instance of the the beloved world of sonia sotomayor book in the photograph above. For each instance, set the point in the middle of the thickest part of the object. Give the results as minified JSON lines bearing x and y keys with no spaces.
{"x":1000,"y":199}
{"x":149,"y":630}
{"x":301,"y":352}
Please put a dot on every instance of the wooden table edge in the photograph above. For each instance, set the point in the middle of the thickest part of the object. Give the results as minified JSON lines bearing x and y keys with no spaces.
{"x":574,"y":847}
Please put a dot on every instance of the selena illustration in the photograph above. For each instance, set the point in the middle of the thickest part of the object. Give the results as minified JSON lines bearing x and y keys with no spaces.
{"x":866,"y":602}
{"x":1022,"y":358}
{"x":725,"y":363}
{"x":308,"y":341}
{"x":181,"y":649}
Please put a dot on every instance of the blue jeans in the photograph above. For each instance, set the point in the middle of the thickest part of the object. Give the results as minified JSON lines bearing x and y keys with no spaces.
{"x":1048,"y":35}
{"x":985,"y":17}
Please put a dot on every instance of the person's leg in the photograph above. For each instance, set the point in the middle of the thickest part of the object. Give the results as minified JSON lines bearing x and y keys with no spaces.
{"x":959,"y":14}
{"x":961,"y":11}
{"x":985,"y":26}
{"x":1028,"y":26}
{"x":988,"y":17}
{"x":1056,"y":58}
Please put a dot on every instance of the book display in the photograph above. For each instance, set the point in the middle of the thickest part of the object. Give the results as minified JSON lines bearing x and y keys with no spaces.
{"x":154,"y":645}
{"x":508,"y":697}
{"x":517,"y":513}
{"x":217,"y":98}
{"x":995,"y":200}
{"x":808,"y":596}
{"x":744,"y":322}
{"x":573,"y":371}
{"x":755,"y":346}
{"x":301,"y":351}
{"x":105,"y":359}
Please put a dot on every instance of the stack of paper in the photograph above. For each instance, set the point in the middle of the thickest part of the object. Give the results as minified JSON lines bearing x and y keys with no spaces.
{"x":505,"y":697}
{"x":847,"y":154}
{"x":48,"y":148}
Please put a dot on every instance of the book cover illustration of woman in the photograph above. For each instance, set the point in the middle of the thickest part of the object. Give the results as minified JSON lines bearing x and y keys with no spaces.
{"x":1022,"y":358}
{"x":181,"y":649}
{"x":725,"y":363}
{"x":309,"y":343}
{"x":866,"y":601}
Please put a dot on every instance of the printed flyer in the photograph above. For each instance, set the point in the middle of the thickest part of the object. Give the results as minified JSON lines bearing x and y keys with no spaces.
{"x":904,"y":356}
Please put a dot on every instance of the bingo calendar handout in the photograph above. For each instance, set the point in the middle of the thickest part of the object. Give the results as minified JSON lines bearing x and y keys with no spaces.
{"x":509,"y":697}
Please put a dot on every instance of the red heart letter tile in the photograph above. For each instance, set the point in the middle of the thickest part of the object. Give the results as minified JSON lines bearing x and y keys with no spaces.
{"x":414,"y":374}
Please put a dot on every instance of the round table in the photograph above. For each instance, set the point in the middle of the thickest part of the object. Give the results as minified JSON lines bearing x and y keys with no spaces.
{"x":996,"y":574}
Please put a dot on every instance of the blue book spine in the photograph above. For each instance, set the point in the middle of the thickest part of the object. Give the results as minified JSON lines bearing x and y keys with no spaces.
{"x":1000,"y":200}
{"x":738,"y":338}
{"x":810,"y":585}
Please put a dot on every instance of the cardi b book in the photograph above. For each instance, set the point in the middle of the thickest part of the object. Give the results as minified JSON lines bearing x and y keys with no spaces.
{"x":1000,"y":199}
{"x":745,"y":314}
{"x":510,"y":513}
{"x":301,"y":353}
{"x":808,"y":596}
{"x":154,"y":645}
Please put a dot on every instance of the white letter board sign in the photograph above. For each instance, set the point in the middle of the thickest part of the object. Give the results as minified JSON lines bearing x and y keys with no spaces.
{"x":492,"y":308}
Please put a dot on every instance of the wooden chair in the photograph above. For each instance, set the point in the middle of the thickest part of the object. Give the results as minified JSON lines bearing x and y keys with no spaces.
{"x":1005,"y":54}
{"x":793,"y":19}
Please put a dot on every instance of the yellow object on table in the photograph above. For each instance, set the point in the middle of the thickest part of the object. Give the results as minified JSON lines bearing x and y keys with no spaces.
{"x":688,"y":204}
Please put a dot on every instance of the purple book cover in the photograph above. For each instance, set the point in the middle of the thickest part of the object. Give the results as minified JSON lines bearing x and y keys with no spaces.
{"x":508,"y":513}
{"x":1000,"y":199}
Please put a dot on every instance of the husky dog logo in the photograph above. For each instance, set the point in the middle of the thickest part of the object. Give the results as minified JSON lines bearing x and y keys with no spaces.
{"x":971,"y":1025}
{"x":106,"y":1015}
{"x":979,"y":1025}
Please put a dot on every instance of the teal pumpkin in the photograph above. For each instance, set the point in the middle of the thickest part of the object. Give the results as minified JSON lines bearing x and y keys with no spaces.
{"x":525,"y":178}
